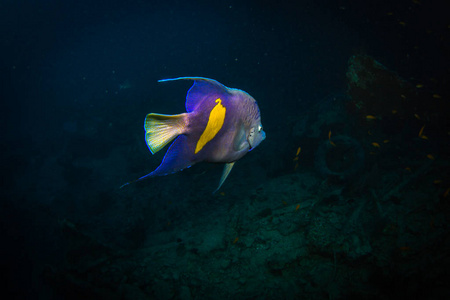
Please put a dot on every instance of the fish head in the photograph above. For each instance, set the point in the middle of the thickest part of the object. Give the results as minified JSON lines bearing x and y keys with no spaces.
{"x":255,"y":135}
{"x":252,"y":120}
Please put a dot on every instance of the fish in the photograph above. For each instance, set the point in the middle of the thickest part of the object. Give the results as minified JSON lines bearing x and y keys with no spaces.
{"x":370,"y":117}
{"x":298,"y":151}
{"x":421,"y":130}
{"x":375,"y":144}
{"x":297,"y":207}
{"x":446,"y":192}
{"x":221,"y":125}
{"x":329,"y":138}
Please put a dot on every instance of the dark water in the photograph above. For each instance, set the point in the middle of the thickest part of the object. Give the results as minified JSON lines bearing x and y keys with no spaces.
{"x":361,"y":212}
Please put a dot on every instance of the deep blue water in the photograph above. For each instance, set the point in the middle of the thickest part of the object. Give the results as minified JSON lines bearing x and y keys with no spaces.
{"x":79,"y":77}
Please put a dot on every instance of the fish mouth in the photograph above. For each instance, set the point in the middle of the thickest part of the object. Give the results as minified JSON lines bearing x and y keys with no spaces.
{"x":262,"y":139}
{"x":250,"y":145}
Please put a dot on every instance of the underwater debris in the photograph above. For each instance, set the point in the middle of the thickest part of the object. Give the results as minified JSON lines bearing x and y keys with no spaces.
{"x":388,"y":192}
{"x":342,"y":160}
{"x":365,"y":75}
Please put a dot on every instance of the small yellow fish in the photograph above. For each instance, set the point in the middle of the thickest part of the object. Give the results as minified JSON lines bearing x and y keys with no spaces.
{"x":376,"y":144}
{"x":437,"y":96}
{"x":389,"y":13}
{"x":402,"y":23}
{"x":419,"y":86}
{"x":424,"y":137}
{"x":417,"y":116}
{"x":295,"y":158}
{"x":446,"y":192}
{"x":329,"y":138}
{"x":298,"y":151}
{"x":370,"y":117}
{"x":236,"y":240}
{"x":297,"y":207}
{"x":430,"y":156}
{"x":421,"y":131}
{"x":386,"y":141}
{"x":403,"y":96}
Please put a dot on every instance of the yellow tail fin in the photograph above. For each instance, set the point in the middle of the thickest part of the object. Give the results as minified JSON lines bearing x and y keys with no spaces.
{"x":162,"y":129}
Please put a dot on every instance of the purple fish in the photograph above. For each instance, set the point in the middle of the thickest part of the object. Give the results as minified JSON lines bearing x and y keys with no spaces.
{"x":221,"y":125}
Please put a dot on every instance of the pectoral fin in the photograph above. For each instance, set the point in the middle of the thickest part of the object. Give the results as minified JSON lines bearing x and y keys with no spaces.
{"x":225,"y":173}
{"x":240,"y":140}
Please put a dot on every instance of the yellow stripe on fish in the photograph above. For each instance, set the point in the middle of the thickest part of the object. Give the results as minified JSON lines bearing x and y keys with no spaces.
{"x":215,"y":123}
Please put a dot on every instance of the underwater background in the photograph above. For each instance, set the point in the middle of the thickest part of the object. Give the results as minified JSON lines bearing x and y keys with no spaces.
{"x":348,"y":197}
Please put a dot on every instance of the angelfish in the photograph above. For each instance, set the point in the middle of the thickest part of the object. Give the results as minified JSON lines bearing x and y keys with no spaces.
{"x":221,"y":125}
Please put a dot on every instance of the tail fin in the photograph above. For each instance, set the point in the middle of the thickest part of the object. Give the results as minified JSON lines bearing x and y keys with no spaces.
{"x":162,"y":129}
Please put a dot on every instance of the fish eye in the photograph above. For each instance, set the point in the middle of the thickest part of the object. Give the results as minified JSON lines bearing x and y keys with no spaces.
{"x":260,"y":128}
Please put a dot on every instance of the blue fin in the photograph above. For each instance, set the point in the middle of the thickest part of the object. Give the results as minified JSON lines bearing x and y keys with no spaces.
{"x":202,"y":87}
{"x":176,"y":159}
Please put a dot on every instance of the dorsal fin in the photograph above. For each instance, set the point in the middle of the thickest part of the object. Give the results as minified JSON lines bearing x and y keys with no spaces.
{"x":203,"y":87}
